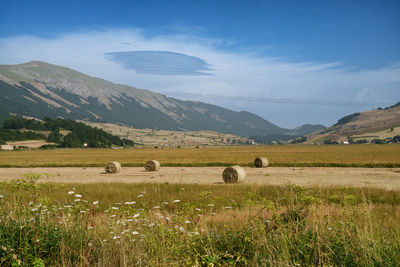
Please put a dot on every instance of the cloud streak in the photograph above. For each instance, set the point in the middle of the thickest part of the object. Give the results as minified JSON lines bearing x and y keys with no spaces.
{"x":233,"y":73}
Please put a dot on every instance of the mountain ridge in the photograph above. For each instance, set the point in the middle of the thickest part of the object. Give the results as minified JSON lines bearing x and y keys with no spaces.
{"x":358,"y":123}
{"x":41,"y":89}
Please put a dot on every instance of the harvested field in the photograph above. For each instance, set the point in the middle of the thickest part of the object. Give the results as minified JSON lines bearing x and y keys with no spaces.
{"x":290,"y":155}
{"x":386,"y":178}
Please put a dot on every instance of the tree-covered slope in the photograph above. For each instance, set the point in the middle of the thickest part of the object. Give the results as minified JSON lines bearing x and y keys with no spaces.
{"x":77,"y":133}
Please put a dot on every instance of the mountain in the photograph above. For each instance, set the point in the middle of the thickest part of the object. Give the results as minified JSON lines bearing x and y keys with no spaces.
{"x":40,"y":89}
{"x":365,"y":125}
{"x":307,"y":129}
{"x":289,"y":134}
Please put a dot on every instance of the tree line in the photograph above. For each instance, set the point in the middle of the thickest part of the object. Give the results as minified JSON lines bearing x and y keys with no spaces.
{"x":77,"y":133}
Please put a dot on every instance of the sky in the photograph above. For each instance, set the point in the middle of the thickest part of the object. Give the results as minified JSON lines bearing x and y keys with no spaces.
{"x":290,"y":62}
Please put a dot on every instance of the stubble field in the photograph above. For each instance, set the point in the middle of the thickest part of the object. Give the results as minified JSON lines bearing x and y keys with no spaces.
{"x":184,"y":216}
{"x":289,"y":155}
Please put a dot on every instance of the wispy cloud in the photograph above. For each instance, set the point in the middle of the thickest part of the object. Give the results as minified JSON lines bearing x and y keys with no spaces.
{"x":234,"y":73}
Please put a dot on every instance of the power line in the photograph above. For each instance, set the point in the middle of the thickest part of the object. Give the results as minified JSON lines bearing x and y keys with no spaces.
{"x":278,"y":100}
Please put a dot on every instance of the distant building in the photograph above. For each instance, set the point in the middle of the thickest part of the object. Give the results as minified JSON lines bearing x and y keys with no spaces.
{"x":85,"y":145}
{"x":345,"y":142}
{"x":6,"y":147}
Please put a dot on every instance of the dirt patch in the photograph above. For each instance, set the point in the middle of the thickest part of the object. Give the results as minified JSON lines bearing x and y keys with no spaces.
{"x":30,"y":143}
{"x":356,"y":177}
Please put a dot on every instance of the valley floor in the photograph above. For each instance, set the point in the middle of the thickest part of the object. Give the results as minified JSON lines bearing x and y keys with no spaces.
{"x":385,"y":178}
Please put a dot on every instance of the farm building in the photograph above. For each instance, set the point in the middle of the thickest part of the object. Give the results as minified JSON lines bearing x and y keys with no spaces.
{"x":6,"y":147}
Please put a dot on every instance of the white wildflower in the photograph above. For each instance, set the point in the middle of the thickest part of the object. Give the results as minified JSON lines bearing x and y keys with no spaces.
{"x":70,"y":192}
{"x":1,"y":196}
{"x":78,"y":195}
{"x":130,"y":203}
{"x":114,"y":208}
{"x":156,"y":207}
{"x":112,"y":216}
{"x":197,"y":209}
{"x":139,"y":196}
{"x":227,"y":207}
{"x":34,"y":209}
{"x":135,"y":233}
{"x":77,"y":200}
{"x":95,"y":202}
{"x":177,"y":201}
{"x":164,"y":203}
{"x":210,"y":205}
{"x":187,"y":221}
{"x":136,"y":215}
{"x":181,"y":229}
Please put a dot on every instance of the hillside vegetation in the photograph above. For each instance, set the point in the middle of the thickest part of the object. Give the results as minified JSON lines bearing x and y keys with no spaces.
{"x":76,"y":134}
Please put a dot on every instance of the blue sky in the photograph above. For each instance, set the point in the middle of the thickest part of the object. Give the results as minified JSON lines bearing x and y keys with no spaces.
{"x":343,"y":51}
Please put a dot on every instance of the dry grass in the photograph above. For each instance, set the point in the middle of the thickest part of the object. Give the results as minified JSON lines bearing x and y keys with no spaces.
{"x":379,"y":134}
{"x":151,"y":137}
{"x":290,"y":155}
{"x":197,"y":225}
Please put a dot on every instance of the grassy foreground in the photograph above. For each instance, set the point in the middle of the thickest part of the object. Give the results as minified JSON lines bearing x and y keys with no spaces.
{"x":196,"y":225}
{"x":289,"y":155}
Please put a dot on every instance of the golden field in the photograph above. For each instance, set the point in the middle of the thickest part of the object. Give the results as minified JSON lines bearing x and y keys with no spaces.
{"x":285,"y":155}
{"x":196,"y":225}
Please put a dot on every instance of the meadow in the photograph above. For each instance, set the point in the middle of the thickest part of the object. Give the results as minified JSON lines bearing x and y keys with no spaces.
{"x":175,"y":224}
{"x":196,"y":225}
{"x":286,"y":155}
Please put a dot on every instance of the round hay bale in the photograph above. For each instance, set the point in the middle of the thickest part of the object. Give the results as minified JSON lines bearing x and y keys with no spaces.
{"x":113,"y":167}
{"x":261,"y":162}
{"x":234,"y":174}
{"x":152,"y":165}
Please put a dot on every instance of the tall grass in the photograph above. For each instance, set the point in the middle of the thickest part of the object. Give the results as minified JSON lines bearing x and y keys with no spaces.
{"x":197,"y":225}
{"x":289,"y":155}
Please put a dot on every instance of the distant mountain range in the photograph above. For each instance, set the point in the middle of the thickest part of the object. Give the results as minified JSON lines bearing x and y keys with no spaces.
{"x":40,"y":89}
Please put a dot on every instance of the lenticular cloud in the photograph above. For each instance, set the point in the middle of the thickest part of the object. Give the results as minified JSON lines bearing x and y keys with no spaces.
{"x":160,"y":62}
